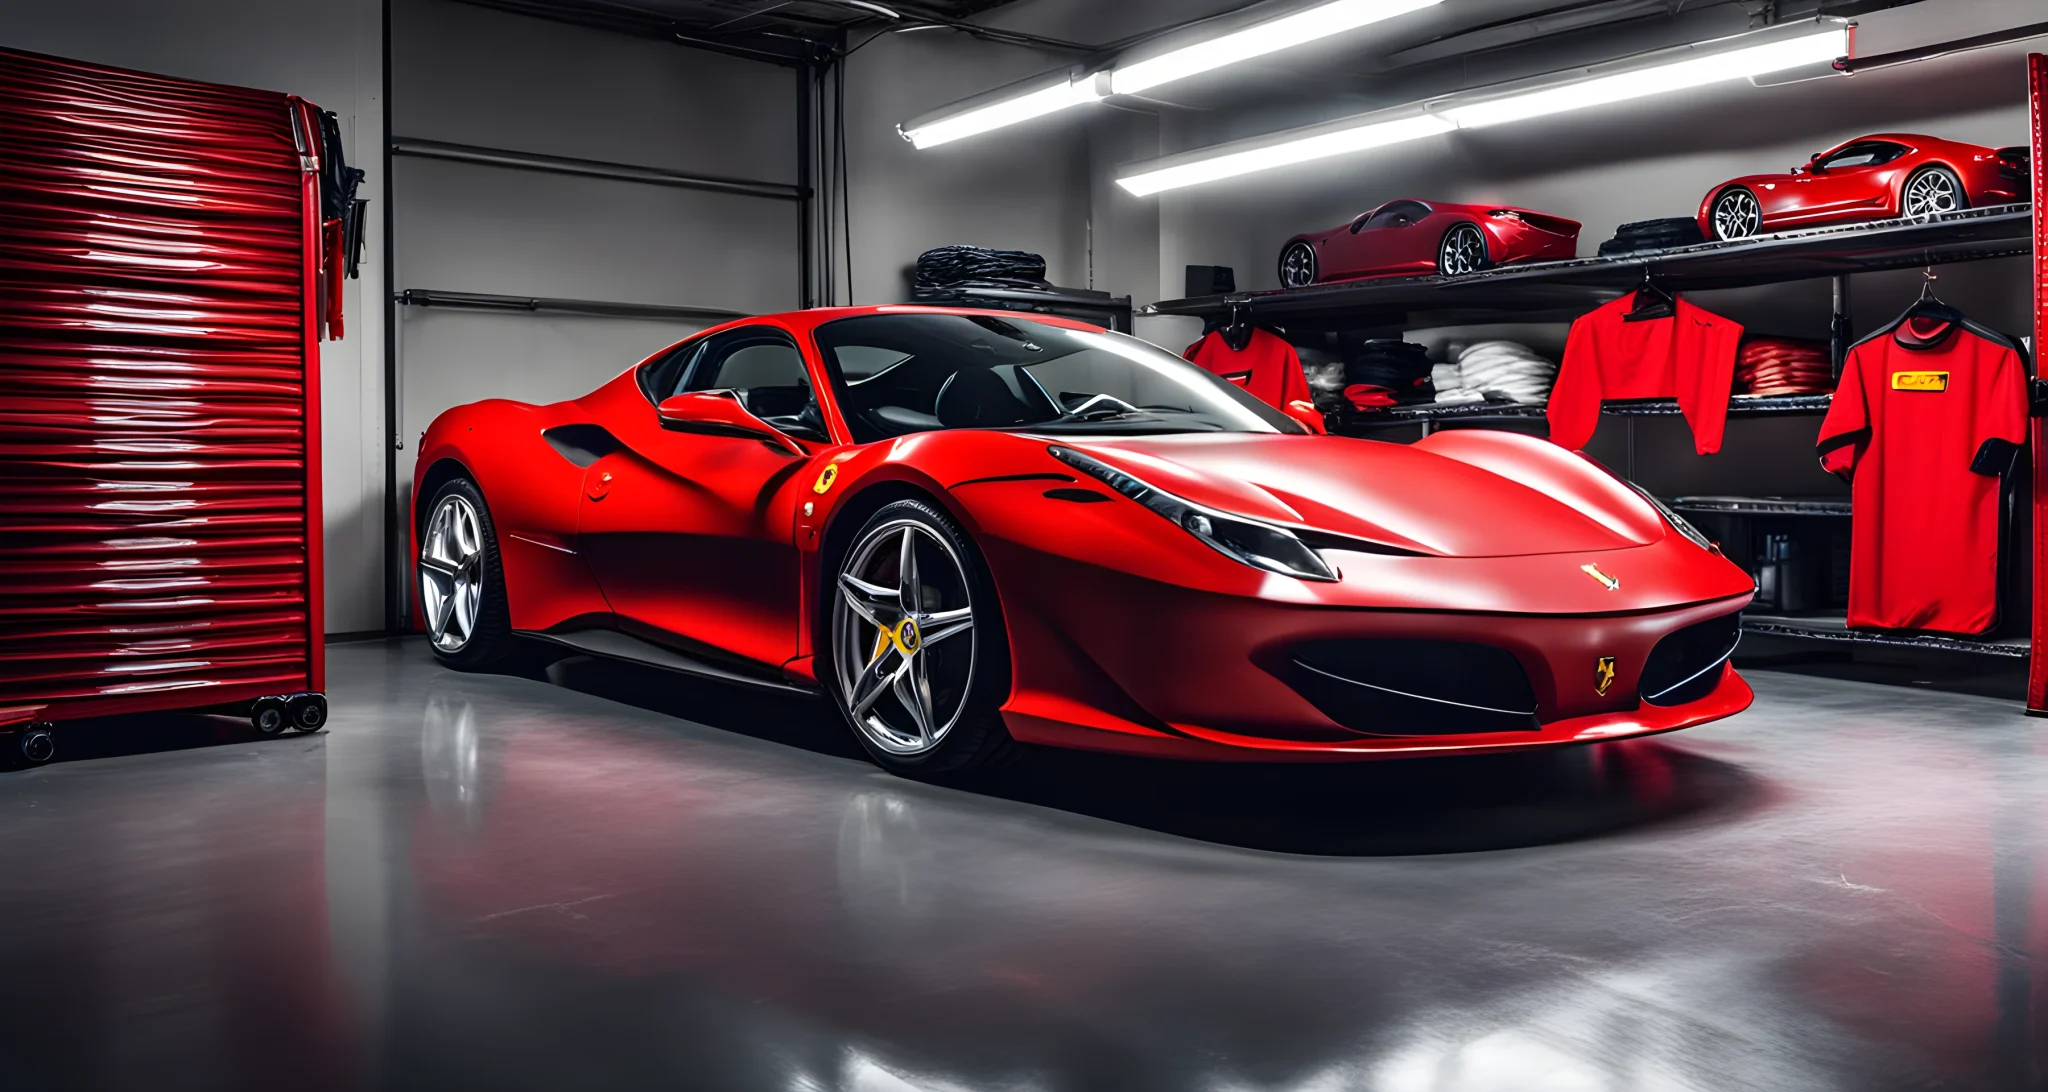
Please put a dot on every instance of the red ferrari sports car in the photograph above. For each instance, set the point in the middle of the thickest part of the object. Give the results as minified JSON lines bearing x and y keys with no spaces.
{"x":1869,"y":178}
{"x":1409,"y":237}
{"x":970,"y":528}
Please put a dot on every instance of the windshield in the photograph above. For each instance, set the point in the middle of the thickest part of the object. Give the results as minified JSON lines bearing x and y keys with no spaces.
{"x":897,"y":374}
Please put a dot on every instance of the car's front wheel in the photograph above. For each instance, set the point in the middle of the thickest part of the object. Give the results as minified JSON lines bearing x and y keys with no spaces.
{"x":1298,"y":265}
{"x":918,"y":660}
{"x":461,"y":586}
{"x":1736,"y":215}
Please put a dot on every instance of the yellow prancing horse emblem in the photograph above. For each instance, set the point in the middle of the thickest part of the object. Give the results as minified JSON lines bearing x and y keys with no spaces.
{"x":905,"y":637}
{"x":825,"y":478}
{"x":1608,"y":582}
{"x":1603,"y":675}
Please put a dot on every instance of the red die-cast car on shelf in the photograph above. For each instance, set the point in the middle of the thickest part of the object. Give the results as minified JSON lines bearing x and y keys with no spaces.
{"x":1870,"y":178}
{"x":1411,"y":237}
{"x":970,"y":528}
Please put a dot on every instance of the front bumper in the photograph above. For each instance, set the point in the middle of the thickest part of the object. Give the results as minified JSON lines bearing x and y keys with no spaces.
{"x":1107,"y":661}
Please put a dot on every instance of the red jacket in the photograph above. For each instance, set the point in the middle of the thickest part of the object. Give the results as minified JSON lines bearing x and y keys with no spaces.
{"x":1689,"y":356}
{"x":1923,"y":422}
{"x":1268,"y":369}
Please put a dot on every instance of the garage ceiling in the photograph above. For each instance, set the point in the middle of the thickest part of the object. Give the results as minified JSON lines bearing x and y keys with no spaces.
{"x":770,"y":29}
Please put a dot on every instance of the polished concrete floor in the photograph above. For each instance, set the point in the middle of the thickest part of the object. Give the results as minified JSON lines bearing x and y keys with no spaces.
{"x":594,"y":878}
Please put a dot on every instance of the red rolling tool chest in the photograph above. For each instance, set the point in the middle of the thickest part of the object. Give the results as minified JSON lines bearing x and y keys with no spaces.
{"x":163,"y":293}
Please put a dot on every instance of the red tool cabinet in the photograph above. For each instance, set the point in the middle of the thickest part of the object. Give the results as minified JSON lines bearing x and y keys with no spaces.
{"x":161,"y":308}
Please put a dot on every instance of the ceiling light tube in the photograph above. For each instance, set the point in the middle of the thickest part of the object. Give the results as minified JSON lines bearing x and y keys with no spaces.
{"x":1794,"y":46}
{"x":1809,"y":49}
{"x":1271,"y":36}
{"x":1007,"y":108}
{"x":1319,"y":144}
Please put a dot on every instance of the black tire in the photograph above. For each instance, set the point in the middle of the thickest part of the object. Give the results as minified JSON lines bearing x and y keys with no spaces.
{"x":1948,"y":194}
{"x":269,"y":716}
{"x":490,"y":638}
{"x":1298,"y":266}
{"x":1742,"y":221}
{"x":1461,"y":251}
{"x":975,"y":739}
{"x":37,"y":745}
{"x":308,"y":712}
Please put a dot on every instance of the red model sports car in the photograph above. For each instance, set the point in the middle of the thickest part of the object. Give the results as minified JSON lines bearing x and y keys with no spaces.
{"x":967,"y":528}
{"x":1869,"y":178}
{"x":1409,"y":237}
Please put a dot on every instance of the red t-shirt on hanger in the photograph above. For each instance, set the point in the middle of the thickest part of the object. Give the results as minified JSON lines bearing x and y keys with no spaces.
{"x":1689,"y":356}
{"x":1918,"y":426}
{"x":1267,"y":368}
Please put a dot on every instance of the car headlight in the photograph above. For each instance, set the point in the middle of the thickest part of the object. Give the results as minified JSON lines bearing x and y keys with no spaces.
{"x":1260,"y":545}
{"x":1679,"y":523}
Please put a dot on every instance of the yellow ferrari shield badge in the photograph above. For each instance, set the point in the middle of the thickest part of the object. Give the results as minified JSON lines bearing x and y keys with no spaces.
{"x":825,"y":478}
{"x":1603,"y":675}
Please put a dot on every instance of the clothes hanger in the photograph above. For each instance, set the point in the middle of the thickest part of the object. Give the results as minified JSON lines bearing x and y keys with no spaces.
{"x":1929,"y":319}
{"x":1238,"y":332}
{"x":1651,"y":301}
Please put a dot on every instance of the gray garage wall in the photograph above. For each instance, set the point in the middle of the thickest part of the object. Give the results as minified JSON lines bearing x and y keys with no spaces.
{"x":470,"y":75}
{"x":331,"y":52}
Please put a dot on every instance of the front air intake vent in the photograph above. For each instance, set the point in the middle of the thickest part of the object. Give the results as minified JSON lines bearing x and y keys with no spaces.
{"x":1393,"y":687}
{"x":1686,"y":665}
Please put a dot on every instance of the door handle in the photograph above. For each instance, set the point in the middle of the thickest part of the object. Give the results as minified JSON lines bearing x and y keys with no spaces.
{"x":600,"y":485}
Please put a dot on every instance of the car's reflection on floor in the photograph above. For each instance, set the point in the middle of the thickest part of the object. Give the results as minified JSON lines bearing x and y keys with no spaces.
{"x":1440,"y":805}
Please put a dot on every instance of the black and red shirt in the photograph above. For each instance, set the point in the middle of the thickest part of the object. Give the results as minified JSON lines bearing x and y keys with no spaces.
{"x":1927,"y":416}
{"x":1267,"y":368}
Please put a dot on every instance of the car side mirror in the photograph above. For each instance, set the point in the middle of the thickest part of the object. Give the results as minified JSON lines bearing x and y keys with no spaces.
{"x":719,"y":413}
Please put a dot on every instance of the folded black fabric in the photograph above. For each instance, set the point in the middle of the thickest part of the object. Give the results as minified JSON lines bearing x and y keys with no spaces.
{"x":1662,"y":234}
{"x":1400,"y":366}
{"x":979,"y":267}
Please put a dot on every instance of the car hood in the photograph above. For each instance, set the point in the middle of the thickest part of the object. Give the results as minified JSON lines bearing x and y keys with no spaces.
{"x":1456,"y":494}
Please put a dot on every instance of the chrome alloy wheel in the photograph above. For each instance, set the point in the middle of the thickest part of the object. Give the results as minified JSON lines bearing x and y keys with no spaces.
{"x":1736,"y":215}
{"x":1463,"y":251}
{"x":903,"y":640}
{"x":1298,"y":266}
{"x":1930,"y":192}
{"x":452,"y":573}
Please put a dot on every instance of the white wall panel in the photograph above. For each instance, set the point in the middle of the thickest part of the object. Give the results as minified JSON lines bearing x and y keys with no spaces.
{"x":469,"y":75}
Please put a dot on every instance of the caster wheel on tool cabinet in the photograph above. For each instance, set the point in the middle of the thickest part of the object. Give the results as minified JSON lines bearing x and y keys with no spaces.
{"x":268,"y":716}
{"x":38,"y":744}
{"x":309,"y":712}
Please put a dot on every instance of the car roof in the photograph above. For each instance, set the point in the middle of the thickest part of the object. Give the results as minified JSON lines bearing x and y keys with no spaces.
{"x":807,"y":320}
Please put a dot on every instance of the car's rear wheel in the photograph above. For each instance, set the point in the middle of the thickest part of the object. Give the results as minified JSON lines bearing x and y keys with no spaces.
{"x":1932,"y":190}
{"x":1298,"y":265}
{"x":1462,"y":251}
{"x":918,"y":660}
{"x":461,"y":585}
{"x":1736,"y":215}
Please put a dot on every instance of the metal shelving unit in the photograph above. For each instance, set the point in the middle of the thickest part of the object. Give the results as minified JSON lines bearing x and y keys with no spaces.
{"x":1835,"y":630}
{"x":1762,"y":506}
{"x":1113,"y":311}
{"x":1562,"y":291}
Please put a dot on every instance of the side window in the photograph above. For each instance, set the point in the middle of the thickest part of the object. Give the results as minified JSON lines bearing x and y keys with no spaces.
{"x":1398,"y":214}
{"x":660,"y":379}
{"x":1869,"y":153}
{"x":763,"y":366}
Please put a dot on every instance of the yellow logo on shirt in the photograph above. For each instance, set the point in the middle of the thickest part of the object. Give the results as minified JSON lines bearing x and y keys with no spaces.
{"x":1919,"y":381}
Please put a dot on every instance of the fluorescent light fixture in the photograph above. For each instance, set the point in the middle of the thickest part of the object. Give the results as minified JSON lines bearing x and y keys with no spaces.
{"x":1698,"y":72}
{"x":1786,"y":50}
{"x":1004,"y":111}
{"x":1356,"y":138}
{"x":1317,"y":22}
